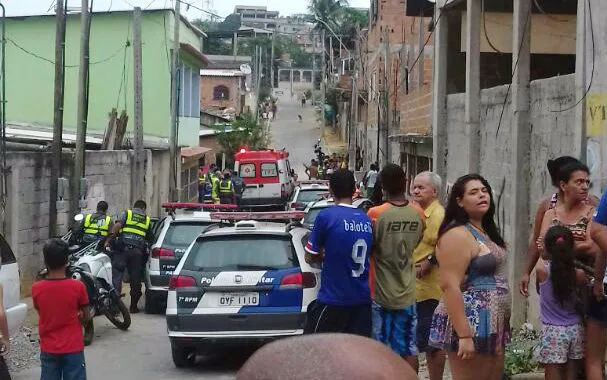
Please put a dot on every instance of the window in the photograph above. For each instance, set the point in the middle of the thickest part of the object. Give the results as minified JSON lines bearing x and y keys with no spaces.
{"x":221,"y":93}
{"x":269,"y":169}
{"x":189,"y":91}
{"x":181,"y":235}
{"x":244,"y":252}
{"x":247,"y":171}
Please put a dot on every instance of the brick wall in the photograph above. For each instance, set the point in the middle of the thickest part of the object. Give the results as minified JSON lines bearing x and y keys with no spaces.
{"x":208,"y":83}
{"x":406,"y":96}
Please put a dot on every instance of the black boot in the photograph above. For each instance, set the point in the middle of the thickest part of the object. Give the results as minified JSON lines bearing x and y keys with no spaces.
{"x":134,"y":300}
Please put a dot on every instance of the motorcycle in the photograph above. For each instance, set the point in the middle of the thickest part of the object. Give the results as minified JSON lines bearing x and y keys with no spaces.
{"x":319,"y":153}
{"x":91,"y":265}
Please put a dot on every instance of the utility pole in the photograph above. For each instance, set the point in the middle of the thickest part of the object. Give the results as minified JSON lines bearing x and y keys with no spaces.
{"x":58,"y":116}
{"x":173,"y":196}
{"x":138,"y":178}
{"x":420,"y":63}
{"x":313,"y":68}
{"x":386,"y":155}
{"x":83,"y":79}
{"x":258,"y":79}
{"x":323,"y":84}
{"x":331,"y":63}
{"x":353,"y":127}
{"x":272,"y":64}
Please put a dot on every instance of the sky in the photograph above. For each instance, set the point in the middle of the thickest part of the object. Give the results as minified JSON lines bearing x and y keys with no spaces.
{"x":219,"y":7}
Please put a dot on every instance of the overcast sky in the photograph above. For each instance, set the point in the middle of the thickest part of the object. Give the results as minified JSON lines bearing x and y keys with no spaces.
{"x":220,"y":7}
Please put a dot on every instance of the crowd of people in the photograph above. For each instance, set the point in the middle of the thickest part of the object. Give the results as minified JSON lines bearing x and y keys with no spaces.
{"x":420,"y":277}
{"x":323,"y":167}
{"x":219,"y":187}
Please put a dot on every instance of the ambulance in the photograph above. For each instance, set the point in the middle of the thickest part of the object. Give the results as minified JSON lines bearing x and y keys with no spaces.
{"x":267,"y":176}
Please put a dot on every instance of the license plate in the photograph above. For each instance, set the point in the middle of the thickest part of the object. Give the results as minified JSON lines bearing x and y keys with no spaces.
{"x":239,"y":299}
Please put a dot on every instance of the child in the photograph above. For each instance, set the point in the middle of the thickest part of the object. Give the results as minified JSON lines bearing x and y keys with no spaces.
{"x":562,"y":338}
{"x":62,"y":304}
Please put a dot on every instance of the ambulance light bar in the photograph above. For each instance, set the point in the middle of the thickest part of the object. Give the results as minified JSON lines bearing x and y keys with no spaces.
{"x":172,"y":206}
{"x":270,"y":215}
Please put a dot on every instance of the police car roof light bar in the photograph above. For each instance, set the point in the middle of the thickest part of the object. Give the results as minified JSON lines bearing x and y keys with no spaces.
{"x":313,"y":181}
{"x":270,"y":215}
{"x":198,"y":206}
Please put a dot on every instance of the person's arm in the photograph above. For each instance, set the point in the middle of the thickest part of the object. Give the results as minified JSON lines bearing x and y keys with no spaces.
{"x":83,"y":303}
{"x":580,"y":277}
{"x":454,"y":252}
{"x":533,"y":254}
{"x":4,"y":337}
{"x":315,"y":245}
{"x":115,"y":230}
{"x":598,"y":232}
{"x":430,"y":236}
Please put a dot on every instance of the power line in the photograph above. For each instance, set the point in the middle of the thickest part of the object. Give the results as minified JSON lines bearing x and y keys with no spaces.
{"x":200,"y":9}
{"x":593,"y":65}
{"x":485,"y":28}
{"x":53,"y":62}
{"x":518,"y":58}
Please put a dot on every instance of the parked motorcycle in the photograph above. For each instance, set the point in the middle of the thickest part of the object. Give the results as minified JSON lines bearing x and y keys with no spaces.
{"x":91,"y":265}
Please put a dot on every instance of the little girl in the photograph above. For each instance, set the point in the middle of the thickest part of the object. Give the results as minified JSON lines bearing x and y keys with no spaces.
{"x":562,"y":339}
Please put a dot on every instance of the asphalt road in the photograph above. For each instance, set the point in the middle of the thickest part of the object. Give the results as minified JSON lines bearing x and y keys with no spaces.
{"x":298,"y":137}
{"x":143,"y":352}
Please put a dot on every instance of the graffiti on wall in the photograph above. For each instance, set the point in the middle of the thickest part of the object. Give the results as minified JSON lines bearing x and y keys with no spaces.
{"x":596,"y":124}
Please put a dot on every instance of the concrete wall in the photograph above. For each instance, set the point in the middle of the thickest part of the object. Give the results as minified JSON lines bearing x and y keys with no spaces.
{"x":552,"y":135}
{"x":207,"y":88}
{"x":108,"y":173}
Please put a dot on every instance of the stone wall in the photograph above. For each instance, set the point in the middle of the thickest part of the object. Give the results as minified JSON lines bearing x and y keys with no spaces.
{"x":552,"y":135}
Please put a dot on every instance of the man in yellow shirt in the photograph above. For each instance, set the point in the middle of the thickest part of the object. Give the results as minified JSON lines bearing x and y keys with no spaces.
{"x":425,"y":191}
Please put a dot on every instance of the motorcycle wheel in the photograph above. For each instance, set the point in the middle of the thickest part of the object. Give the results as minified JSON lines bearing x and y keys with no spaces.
{"x":88,"y":331}
{"x":117,"y":310}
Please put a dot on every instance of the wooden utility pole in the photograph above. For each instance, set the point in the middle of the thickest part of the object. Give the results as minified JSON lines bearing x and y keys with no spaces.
{"x":82,"y":115}
{"x":58,"y":116}
{"x":272,"y":64}
{"x":174,"y":106}
{"x":353,"y":127}
{"x":323,"y":85}
{"x":313,"y":67}
{"x":138,"y":178}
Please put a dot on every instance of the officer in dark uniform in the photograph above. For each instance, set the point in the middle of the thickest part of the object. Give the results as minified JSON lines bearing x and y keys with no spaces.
{"x":130,"y":249}
{"x":96,"y":226}
{"x":226,"y":189}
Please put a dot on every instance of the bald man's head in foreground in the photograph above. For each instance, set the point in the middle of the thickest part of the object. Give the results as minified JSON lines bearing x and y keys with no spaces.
{"x":325,"y":357}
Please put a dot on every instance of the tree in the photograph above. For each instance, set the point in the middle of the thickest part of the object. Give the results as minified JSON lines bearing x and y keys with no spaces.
{"x":245,"y":131}
{"x":326,"y":13}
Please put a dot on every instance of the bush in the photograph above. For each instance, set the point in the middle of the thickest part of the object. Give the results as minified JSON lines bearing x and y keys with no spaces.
{"x":519,"y":352}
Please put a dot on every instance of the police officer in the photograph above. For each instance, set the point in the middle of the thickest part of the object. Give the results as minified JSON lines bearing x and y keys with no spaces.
{"x":215,"y":186}
{"x":226,"y":189}
{"x":205,"y":185}
{"x":130,"y":250}
{"x":96,"y":226}
{"x":239,"y":187}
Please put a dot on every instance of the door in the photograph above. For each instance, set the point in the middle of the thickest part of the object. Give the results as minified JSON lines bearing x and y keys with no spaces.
{"x":248,"y":171}
{"x":9,"y":278}
{"x":270,"y":180}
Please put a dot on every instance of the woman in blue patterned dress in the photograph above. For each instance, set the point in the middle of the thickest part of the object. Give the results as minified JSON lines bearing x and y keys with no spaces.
{"x":471,"y":322}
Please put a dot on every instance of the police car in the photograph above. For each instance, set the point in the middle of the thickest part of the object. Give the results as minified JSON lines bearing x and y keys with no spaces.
{"x":306,"y":193}
{"x":315,"y":208}
{"x":242,"y":281}
{"x":172,"y":236}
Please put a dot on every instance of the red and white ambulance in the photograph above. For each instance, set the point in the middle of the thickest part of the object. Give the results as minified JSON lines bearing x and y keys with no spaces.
{"x":267,"y":176}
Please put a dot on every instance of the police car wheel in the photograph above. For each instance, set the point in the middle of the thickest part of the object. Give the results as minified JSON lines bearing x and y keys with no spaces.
{"x":183,"y":356}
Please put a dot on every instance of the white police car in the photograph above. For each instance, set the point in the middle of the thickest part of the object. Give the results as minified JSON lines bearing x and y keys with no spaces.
{"x":240,"y":282}
{"x":306,"y":193}
{"x":172,"y":236}
{"x":315,"y":208}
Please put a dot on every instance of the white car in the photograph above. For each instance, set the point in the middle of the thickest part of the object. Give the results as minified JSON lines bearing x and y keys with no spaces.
{"x":241,"y":282}
{"x":307,"y":192}
{"x":172,"y":236}
{"x":314,"y":209}
{"x":9,"y":278}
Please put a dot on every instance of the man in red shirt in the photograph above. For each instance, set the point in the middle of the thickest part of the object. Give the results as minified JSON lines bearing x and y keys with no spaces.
{"x":62,"y":304}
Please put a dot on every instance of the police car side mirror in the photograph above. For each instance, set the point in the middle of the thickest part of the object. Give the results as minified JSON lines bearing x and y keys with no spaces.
{"x":78,"y":217}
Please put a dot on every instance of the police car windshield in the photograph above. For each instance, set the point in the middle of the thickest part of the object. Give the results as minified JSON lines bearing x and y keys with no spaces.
{"x":242,"y":252}
{"x":310,"y":195}
{"x":181,"y":235}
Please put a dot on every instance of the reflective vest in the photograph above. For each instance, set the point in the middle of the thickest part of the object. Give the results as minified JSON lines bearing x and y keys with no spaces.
{"x":215,"y":188}
{"x":98,"y":225}
{"x":136,"y":224}
{"x":225,"y":187}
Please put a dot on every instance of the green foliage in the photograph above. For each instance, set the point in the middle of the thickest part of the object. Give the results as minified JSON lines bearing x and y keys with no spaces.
{"x":244,"y":131}
{"x":519,"y":352}
{"x":308,"y":94}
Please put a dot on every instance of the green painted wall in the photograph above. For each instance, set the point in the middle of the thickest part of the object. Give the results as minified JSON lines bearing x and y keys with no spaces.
{"x":30,"y":79}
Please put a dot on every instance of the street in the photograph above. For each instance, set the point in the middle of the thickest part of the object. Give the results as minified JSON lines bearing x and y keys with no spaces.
{"x":143,"y":352}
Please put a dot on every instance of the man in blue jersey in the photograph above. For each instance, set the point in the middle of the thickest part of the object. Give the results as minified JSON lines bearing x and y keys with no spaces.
{"x":342,"y":240}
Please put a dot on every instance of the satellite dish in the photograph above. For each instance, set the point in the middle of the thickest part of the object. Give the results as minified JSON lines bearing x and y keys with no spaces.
{"x":246,"y":69}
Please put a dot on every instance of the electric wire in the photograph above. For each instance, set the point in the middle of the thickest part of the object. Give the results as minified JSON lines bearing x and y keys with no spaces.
{"x":592,"y":72}
{"x":485,"y":28}
{"x":29,"y":52}
{"x":499,"y":123}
